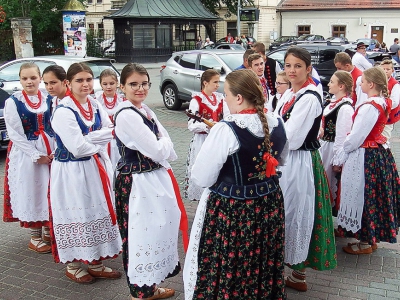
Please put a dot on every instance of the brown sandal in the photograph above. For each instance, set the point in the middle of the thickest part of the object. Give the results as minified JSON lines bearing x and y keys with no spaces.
{"x":374,"y":246}
{"x":84,"y":279}
{"x":40,"y":248}
{"x":356,"y":249}
{"x":162,"y":293}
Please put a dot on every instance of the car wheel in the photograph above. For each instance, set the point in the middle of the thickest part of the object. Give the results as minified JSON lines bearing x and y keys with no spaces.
{"x":170,"y":97}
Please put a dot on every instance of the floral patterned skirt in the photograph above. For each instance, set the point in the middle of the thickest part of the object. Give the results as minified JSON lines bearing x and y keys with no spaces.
{"x":380,"y":219}
{"x":241,"y":251}
{"x":322,"y":250}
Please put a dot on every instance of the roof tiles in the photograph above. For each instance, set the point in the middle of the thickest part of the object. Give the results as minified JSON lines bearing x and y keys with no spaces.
{"x":337,"y":4}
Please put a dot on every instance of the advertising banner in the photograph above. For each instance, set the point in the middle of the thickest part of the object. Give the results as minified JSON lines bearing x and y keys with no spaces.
{"x":74,"y":33}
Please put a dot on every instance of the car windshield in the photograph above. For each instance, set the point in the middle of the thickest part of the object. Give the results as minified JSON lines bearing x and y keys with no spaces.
{"x":365,"y":41}
{"x":304,"y":38}
{"x":98,"y":66}
{"x":282,"y":39}
{"x":233,"y":60}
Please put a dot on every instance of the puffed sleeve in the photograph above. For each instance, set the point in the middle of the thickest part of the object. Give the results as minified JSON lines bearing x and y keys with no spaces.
{"x":343,"y":126}
{"x":301,"y":120}
{"x":16,"y":131}
{"x":214,"y":152}
{"x":67,"y":128}
{"x":104,"y":135}
{"x":134,"y":134}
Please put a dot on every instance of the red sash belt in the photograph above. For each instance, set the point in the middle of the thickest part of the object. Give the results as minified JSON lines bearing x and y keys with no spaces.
{"x":183,"y":224}
{"x":42,"y":133}
{"x":105,"y":182}
{"x":370,"y":144}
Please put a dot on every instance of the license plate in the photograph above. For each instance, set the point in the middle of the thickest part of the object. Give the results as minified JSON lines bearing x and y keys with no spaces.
{"x":4,"y":135}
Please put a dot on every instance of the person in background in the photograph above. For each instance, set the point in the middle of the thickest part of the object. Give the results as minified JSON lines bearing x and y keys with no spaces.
{"x":82,"y":218}
{"x":336,"y":125}
{"x":309,"y":232}
{"x":199,"y":43}
{"x":393,"y":87}
{"x":229,"y":39}
{"x":359,"y":58}
{"x":29,"y":155}
{"x":55,"y":82}
{"x":343,"y":62}
{"x":236,"y":245}
{"x":208,"y":42}
{"x":246,"y":55}
{"x":109,"y":99}
{"x":384,"y":48}
{"x":238,"y":40}
{"x":369,"y":198}
{"x":395,"y":49}
{"x":148,"y":202}
{"x":257,"y":65}
{"x":209,"y":104}
{"x":282,"y":84}
{"x":272,"y":67}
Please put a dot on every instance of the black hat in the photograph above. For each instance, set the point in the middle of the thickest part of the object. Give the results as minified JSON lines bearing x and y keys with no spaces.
{"x":360,"y":44}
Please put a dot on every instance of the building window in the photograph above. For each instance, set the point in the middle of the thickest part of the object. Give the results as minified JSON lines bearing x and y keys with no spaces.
{"x":303,"y":29}
{"x":339,"y":31}
{"x":231,"y":26}
{"x":163,"y":36}
{"x":91,"y":26}
{"x":143,"y":36}
{"x":89,"y":1}
{"x":99,"y":1}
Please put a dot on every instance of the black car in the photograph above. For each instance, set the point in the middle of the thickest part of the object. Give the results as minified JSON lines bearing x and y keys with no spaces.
{"x":322,"y":56}
{"x":283,"y":40}
{"x":3,"y":131}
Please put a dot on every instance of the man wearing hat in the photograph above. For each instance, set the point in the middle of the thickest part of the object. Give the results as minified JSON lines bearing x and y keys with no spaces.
{"x":359,"y":58}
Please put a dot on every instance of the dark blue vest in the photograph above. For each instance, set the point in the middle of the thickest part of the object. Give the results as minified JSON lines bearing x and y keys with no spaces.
{"x":29,"y":119}
{"x":243,"y":174}
{"x":330,"y":123}
{"x":311,"y":141}
{"x":62,"y":154}
{"x":132,"y":161}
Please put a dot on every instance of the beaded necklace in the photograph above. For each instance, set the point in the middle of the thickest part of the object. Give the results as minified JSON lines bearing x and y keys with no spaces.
{"x":87,"y":114}
{"x":110,"y":104}
{"x":30,"y":103}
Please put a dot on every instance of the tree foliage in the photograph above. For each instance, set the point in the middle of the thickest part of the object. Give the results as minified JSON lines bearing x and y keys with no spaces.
{"x":214,"y":6}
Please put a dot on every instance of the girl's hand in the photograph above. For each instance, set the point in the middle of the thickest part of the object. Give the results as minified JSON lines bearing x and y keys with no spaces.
{"x":337,"y":169}
{"x":43,"y":160}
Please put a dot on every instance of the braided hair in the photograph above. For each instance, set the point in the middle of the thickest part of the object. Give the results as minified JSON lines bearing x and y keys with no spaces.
{"x":377,"y":76}
{"x":246,"y":83}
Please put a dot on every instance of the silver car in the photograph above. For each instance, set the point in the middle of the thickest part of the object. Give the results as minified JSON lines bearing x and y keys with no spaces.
{"x":181,"y":74}
{"x":9,"y":71}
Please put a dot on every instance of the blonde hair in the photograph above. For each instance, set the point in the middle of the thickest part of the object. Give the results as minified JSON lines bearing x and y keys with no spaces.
{"x":387,"y":62}
{"x":285,"y":78}
{"x":377,"y":76}
{"x":247,"y":84}
{"x":345,"y":79}
{"x":28,"y":65}
{"x":342,"y":58}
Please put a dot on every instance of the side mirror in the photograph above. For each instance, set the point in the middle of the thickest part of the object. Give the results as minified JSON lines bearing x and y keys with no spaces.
{"x":220,"y":70}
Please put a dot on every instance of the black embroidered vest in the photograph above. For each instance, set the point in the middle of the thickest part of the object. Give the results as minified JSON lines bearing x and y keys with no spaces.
{"x":330,"y":123}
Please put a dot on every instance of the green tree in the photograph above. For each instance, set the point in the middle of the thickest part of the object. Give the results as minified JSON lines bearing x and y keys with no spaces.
{"x":214,"y":6}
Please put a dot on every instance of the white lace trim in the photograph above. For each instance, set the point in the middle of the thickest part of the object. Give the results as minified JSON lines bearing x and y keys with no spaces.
{"x":252,"y":122}
{"x":219,"y":96}
{"x":329,"y":110}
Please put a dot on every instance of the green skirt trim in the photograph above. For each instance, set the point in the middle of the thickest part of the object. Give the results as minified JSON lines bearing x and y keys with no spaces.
{"x":322,"y":250}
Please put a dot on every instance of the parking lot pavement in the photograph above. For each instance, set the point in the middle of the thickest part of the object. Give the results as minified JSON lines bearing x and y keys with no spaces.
{"x":27,"y":275}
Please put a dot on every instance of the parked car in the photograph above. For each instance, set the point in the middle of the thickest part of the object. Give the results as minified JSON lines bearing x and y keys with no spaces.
{"x":250,"y":41}
{"x":310,"y":38}
{"x":9,"y":71}
{"x":181,"y":74}
{"x":283,"y":40}
{"x":3,"y":130}
{"x":338,"y":40}
{"x":225,"y":45}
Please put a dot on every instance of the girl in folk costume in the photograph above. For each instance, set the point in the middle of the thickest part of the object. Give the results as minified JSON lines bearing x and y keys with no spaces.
{"x":109,"y":99}
{"x":309,"y":233}
{"x":336,"y":125}
{"x":29,"y":155}
{"x":150,"y":210}
{"x":83,"y":220}
{"x":209,"y":105}
{"x":55,"y":81}
{"x":370,"y":190}
{"x":236,"y":247}
{"x":282,"y":84}
{"x":394,"y":94}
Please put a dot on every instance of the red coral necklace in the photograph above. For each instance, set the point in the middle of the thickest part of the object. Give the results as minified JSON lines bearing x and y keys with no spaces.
{"x":30,"y":103}
{"x":110,"y":104}
{"x":87,"y":114}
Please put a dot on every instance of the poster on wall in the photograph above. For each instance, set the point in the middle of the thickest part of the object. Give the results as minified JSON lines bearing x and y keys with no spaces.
{"x":74,"y":33}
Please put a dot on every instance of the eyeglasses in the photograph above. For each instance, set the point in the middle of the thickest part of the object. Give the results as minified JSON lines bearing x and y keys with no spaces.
{"x":280,"y":83}
{"x":136,"y":86}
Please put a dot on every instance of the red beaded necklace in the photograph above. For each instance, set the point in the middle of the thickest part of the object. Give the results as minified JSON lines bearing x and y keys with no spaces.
{"x":332,"y":104}
{"x":87,"y":114}
{"x":111,"y":104}
{"x":30,"y":103}
{"x":213,"y":101}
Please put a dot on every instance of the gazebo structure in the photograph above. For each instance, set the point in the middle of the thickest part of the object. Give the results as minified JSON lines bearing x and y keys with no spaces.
{"x":150,"y":30}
